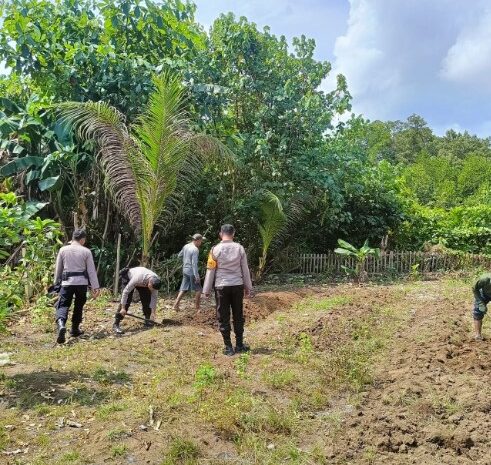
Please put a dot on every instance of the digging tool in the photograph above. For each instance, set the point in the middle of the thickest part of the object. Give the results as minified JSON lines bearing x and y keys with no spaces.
{"x":143,"y":319}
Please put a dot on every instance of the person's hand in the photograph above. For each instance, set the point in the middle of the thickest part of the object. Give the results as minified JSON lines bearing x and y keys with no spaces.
{"x":248,"y":293}
{"x":152,"y":316}
{"x":206,"y":296}
{"x":197,"y":280}
{"x":122,"y":311}
{"x":95,"y":293}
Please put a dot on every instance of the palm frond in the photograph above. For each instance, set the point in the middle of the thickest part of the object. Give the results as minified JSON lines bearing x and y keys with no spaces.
{"x":99,"y":122}
{"x":273,"y":219}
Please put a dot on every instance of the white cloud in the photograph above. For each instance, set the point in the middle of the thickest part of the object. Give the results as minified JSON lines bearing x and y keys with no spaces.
{"x":468,"y":60}
{"x":412,"y":56}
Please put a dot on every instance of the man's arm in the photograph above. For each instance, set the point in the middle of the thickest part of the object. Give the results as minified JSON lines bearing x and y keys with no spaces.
{"x":246,"y":274}
{"x":194,"y":264}
{"x":91,"y":271}
{"x":59,"y":267}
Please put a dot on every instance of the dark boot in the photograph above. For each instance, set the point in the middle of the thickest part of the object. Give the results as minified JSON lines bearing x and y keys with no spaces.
{"x":240,"y":346}
{"x":76,"y":331}
{"x":117,"y":320}
{"x":61,"y":331}
{"x":228,"y":350}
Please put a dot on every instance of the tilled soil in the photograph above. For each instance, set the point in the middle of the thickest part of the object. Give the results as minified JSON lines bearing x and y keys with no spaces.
{"x":431,"y":401}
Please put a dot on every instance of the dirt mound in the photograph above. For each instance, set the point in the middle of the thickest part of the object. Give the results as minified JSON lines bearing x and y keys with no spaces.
{"x":432,"y":396}
{"x":257,"y":308}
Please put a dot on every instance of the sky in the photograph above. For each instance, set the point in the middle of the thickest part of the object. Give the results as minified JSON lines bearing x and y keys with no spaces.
{"x":429,"y":57}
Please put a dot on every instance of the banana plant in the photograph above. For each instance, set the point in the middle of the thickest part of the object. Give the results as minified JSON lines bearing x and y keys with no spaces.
{"x":360,"y":255}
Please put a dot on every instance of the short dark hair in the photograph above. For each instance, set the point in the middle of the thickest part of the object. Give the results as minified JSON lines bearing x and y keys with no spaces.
{"x":79,"y":234}
{"x":227,"y":229}
{"x":155,"y":282}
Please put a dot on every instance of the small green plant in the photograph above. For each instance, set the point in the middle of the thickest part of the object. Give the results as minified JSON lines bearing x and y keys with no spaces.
{"x":71,"y":456}
{"x":241,"y":364}
{"x":415,"y":273}
{"x":182,"y":452}
{"x":280,"y":379}
{"x":306,"y":347}
{"x":205,"y":376}
{"x":360,"y":255}
{"x":119,"y":450}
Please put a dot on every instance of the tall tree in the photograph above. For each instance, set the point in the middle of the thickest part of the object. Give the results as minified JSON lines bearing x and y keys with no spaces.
{"x":145,"y":162}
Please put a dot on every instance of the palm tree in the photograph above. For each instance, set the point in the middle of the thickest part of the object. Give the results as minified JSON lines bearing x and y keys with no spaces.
{"x":145,"y":162}
{"x":273,"y":219}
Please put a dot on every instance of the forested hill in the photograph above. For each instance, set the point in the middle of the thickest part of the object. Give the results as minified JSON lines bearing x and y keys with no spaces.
{"x":288,"y":158}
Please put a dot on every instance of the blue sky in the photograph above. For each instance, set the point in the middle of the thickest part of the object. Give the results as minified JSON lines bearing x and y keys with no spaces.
{"x":430,"y":57}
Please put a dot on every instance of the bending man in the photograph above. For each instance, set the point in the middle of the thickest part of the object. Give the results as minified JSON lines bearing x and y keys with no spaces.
{"x":75,"y":270}
{"x":482,"y":295}
{"x":147,"y":283}
{"x":228,"y":272}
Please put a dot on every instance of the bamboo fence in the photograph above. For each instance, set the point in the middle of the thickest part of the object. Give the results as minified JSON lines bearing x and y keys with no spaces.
{"x":390,"y":262}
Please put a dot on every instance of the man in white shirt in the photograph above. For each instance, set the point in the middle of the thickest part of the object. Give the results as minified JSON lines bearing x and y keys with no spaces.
{"x":74,"y":270}
{"x":147,"y":283}
{"x":228,"y":272}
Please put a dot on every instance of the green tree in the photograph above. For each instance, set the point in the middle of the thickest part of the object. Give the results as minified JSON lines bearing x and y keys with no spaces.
{"x":144,"y":163}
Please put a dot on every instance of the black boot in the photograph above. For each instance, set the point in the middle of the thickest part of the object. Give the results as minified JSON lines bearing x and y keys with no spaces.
{"x":117,"y":320}
{"x":75,"y":331}
{"x":61,"y":331}
{"x":240,"y":346}
{"x":228,"y":350}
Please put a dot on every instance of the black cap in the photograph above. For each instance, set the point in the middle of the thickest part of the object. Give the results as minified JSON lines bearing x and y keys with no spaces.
{"x":79,"y":234}
{"x":227,"y":229}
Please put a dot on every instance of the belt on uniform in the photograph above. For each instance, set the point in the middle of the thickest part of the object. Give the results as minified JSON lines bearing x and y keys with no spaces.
{"x":69,"y":274}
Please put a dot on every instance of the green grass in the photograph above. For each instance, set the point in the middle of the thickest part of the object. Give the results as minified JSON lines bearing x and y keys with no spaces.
{"x":105,"y":411}
{"x":280,"y":379}
{"x":106,"y":377}
{"x":322,"y":304}
{"x":182,"y":452}
{"x":269,"y":408}
{"x":119,"y":450}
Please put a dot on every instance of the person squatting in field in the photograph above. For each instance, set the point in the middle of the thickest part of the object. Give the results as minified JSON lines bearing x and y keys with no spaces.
{"x":482,"y":296}
{"x":147,"y":283}
{"x":190,"y":273}
{"x":228,"y":272}
{"x":74,"y":271}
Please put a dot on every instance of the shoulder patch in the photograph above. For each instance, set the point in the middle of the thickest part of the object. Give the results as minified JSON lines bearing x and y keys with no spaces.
{"x":211,"y":264}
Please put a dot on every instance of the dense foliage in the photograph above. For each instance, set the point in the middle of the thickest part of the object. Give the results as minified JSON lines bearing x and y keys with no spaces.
{"x":27,"y":249}
{"x":333,"y":175}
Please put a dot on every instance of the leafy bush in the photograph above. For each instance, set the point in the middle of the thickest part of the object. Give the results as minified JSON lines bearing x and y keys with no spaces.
{"x":28,"y":248}
{"x":467,"y":229}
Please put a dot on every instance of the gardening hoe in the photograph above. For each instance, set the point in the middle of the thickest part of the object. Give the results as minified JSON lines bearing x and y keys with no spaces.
{"x":143,"y":319}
